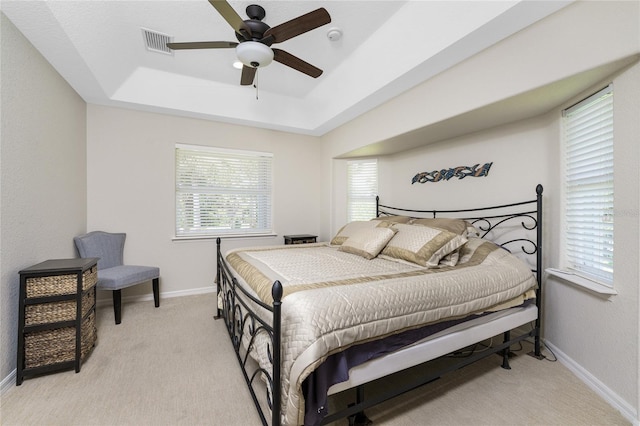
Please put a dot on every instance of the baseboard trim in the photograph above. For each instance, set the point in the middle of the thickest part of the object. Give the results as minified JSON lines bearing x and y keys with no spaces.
{"x":166,"y":295}
{"x":596,"y":385}
{"x":8,"y":382}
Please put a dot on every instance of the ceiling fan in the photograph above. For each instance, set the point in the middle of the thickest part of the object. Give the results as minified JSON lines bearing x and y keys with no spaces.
{"x":255,"y":38}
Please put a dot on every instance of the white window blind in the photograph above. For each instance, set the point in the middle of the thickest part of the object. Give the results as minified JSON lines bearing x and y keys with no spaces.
{"x":362,"y":188}
{"x":588,"y":187}
{"x":222,"y":192}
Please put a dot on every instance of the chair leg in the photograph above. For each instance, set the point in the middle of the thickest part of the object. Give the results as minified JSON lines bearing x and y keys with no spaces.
{"x":156,"y":291}
{"x":117,"y":305}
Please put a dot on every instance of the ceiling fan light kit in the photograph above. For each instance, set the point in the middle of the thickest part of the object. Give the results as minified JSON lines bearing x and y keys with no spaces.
{"x":255,"y":38}
{"x":254,"y":54}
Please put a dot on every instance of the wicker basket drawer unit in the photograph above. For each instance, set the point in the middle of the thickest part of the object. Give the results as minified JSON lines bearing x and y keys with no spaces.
{"x":57,"y":327}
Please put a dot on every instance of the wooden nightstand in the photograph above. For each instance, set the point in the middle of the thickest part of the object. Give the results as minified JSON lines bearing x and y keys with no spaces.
{"x":300,"y":239}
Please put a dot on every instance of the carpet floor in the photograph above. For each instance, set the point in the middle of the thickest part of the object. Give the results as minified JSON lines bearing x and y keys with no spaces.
{"x":174,"y":365}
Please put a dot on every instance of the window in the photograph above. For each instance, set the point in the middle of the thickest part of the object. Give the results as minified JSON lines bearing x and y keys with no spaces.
{"x":222,"y":192}
{"x":362,"y":188}
{"x":588,"y":187}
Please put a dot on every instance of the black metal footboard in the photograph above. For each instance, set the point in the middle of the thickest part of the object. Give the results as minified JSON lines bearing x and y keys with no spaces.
{"x":237,"y":307}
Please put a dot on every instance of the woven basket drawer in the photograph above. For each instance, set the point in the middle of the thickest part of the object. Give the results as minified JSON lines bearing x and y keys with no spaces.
{"x":58,"y":345}
{"x":44,"y":313}
{"x":55,"y":285}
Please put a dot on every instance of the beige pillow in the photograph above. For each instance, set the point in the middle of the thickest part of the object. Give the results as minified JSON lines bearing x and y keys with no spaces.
{"x":368,"y":243}
{"x":450,"y":260}
{"x":394,"y":219}
{"x":353,"y":227}
{"x":422,"y":245}
{"x":457,"y":226}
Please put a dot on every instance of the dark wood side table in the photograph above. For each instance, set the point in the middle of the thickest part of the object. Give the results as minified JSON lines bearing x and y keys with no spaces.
{"x":56,"y":327}
{"x":300,"y":239}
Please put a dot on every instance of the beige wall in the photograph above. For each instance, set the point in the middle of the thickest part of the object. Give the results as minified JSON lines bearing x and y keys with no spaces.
{"x":43,"y":173}
{"x":130,"y":183}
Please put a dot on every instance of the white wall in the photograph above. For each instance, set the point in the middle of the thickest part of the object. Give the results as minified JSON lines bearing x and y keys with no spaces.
{"x":130,"y":175}
{"x":518,"y":152}
{"x":600,"y":334}
{"x":42,"y":174}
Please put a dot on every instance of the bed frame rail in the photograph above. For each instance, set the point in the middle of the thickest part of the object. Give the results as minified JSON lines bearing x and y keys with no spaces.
{"x":243,"y":323}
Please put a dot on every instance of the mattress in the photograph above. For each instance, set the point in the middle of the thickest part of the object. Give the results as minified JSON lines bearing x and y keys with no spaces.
{"x":334,"y":300}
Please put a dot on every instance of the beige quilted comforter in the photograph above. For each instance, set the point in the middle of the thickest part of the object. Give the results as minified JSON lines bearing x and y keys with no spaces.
{"x":333,"y":300}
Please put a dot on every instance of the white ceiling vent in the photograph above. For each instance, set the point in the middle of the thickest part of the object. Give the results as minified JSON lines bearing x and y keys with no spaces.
{"x":156,"y":42}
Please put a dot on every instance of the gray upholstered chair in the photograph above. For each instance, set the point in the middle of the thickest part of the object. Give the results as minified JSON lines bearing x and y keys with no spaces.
{"x":112,"y":273}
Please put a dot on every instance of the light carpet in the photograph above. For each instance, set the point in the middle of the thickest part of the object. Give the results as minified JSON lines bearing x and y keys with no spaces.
{"x":174,"y":365}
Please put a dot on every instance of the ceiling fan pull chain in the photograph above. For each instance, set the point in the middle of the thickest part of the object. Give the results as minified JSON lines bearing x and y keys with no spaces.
{"x":256,"y":82}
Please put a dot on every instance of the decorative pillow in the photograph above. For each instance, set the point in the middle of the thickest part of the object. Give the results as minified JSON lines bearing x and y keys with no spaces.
{"x":394,"y":219}
{"x":450,"y":260}
{"x":457,"y":226}
{"x":422,"y":245}
{"x":472,"y":246}
{"x":368,"y":242}
{"x":352,"y":227}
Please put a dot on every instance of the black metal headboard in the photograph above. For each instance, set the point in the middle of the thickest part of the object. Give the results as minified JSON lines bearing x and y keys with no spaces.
{"x":517,"y":227}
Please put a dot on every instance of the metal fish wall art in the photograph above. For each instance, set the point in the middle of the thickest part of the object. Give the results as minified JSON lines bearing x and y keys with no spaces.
{"x":459,"y":172}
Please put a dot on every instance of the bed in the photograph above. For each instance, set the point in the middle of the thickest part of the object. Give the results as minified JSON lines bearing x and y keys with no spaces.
{"x":309,"y":321}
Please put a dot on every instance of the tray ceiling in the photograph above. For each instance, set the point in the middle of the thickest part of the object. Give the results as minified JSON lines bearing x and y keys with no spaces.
{"x":387,"y":47}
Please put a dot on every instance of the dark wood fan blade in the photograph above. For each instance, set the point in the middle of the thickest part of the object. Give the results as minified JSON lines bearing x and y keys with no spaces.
{"x":299,"y":25}
{"x":232,"y":17}
{"x":296,"y":63}
{"x":248,"y":74}
{"x":202,"y":45}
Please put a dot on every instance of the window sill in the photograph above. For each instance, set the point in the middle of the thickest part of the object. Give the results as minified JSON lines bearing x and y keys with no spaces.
{"x":582,"y":282}
{"x":224,"y":237}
